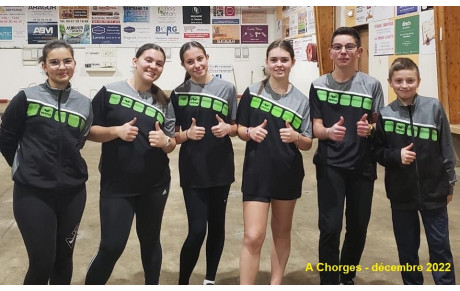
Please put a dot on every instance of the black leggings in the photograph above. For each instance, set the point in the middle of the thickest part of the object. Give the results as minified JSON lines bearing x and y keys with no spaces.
{"x":205,"y":209}
{"x":48,"y":221}
{"x":116,"y":214}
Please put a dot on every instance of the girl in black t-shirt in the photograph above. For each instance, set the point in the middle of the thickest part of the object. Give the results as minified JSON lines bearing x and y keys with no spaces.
{"x":205,"y":109}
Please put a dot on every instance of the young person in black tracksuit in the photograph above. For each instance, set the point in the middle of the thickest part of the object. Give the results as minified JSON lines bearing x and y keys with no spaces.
{"x":344,"y":106}
{"x":205,"y":109}
{"x":274,"y":118}
{"x":414,"y":144}
{"x":41,"y":134}
{"x":134,"y":121}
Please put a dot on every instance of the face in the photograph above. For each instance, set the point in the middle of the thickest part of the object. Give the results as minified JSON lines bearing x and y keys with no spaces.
{"x":344,"y":51}
{"x":405,"y":84}
{"x":196,"y":63}
{"x":149,"y":65}
{"x":59,"y":66}
{"x":279,"y":63}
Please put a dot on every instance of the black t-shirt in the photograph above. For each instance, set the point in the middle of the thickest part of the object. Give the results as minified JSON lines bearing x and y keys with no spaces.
{"x":208,"y":162}
{"x":272,"y":168}
{"x":131,"y":168}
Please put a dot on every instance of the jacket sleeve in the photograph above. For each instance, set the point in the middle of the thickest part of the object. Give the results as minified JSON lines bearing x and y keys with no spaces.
{"x":447,"y":149}
{"x":385,"y":155}
{"x":12,"y":126}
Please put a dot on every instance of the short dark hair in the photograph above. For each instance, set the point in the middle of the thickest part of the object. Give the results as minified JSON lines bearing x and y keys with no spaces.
{"x":344,"y":30}
{"x":403,"y":64}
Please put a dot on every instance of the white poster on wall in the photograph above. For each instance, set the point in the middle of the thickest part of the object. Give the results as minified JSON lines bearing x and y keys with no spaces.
{"x":427,"y":33}
{"x":382,"y":12}
{"x":166,"y":25}
{"x":383,"y":38}
{"x":13,"y":28}
{"x":363,"y":14}
{"x":136,"y":27}
{"x":310,"y":21}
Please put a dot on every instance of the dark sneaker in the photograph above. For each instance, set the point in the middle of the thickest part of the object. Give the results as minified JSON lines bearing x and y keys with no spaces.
{"x":347,"y":282}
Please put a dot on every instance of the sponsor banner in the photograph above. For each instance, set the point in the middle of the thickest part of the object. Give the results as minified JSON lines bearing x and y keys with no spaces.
{"x":105,"y":34}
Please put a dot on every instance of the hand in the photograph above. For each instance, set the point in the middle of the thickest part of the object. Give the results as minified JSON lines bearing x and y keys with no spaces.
{"x":195,"y":132}
{"x":337,"y":131}
{"x":222,"y":128}
{"x":259,"y":133}
{"x":128,"y":131}
{"x":362,"y":126}
{"x":157,"y":137}
{"x":288,"y":134}
{"x":407,"y":156}
{"x":449,"y":198}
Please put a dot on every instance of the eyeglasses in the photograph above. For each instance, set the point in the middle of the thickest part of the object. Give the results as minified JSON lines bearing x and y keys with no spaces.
{"x":349,"y":47}
{"x":55,"y":64}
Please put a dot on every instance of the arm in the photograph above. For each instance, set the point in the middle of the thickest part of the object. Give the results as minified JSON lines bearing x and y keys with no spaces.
{"x":385,"y":155}
{"x":126,"y":132}
{"x":12,"y":126}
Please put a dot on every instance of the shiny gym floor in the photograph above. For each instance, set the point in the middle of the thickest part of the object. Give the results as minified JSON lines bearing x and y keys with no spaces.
{"x":380,"y":248}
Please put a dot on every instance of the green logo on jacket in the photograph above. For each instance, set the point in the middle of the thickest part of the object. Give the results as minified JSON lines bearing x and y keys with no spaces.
{"x":128,"y":102}
{"x":403,"y":128}
{"x":73,"y":120}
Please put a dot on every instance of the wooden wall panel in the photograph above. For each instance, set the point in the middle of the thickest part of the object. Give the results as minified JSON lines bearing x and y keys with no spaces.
{"x":325,"y":26}
{"x":447,"y":22}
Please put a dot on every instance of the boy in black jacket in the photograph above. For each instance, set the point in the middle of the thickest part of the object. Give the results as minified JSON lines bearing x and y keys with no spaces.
{"x":414,"y":144}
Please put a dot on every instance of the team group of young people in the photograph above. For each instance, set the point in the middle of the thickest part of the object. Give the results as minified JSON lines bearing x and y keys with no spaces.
{"x":44,"y":128}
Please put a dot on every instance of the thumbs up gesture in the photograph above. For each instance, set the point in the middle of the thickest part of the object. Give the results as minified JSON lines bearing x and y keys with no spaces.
{"x":157,"y":137}
{"x":195,"y":132}
{"x":221,"y":129}
{"x":128,"y":131}
{"x":407,"y":155}
{"x":259,"y":133}
{"x":288,"y":134}
{"x":362,"y":126}
{"x":337,"y":131}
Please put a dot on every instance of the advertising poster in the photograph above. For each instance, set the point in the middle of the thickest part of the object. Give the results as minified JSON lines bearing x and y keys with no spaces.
{"x":382,"y":12}
{"x":302,"y":22}
{"x":42,"y":24}
{"x":196,"y":14}
{"x":384,"y":38}
{"x":74,"y":25}
{"x":106,"y":14}
{"x":225,"y":15}
{"x":407,"y":35}
{"x":197,"y":32}
{"x":136,"y":14}
{"x":363,"y":14}
{"x":253,"y":16}
{"x":293,"y":25}
{"x":105,"y":24}
{"x":401,"y":10}
{"x":136,"y":27}
{"x":225,"y":34}
{"x":310,"y":21}
{"x":166,"y":28}
{"x":254,"y":34}
{"x":106,"y":34}
{"x":13,"y":32}
{"x":427,"y":33}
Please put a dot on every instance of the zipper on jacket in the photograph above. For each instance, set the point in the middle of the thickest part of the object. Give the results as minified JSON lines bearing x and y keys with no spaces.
{"x":60,"y":132}
{"x":419,"y":193}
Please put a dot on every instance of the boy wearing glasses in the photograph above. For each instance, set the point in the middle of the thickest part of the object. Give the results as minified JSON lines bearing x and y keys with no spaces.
{"x":344,"y":106}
